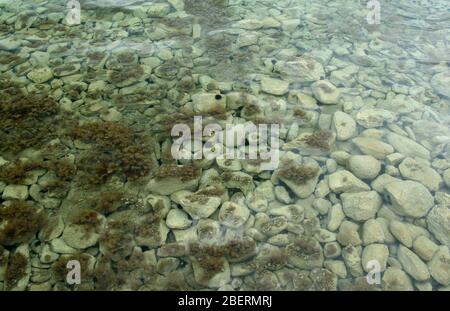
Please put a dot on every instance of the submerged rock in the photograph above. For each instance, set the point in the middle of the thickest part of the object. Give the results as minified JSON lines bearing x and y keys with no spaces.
{"x":412,"y":264}
{"x":300,"y":69}
{"x":440,"y":82}
{"x":407,"y":146}
{"x":233,"y":215}
{"x":370,"y":118}
{"x":196,"y":205}
{"x":395,"y":279}
{"x":325,"y":92}
{"x":361,"y":206}
{"x":364,"y":166}
{"x":344,"y":181}
{"x":410,"y":198}
{"x":440,"y":266}
{"x":373,"y":147}
{"x":274,"y":86}
{"x":420,"y":172}
{"x":438,"y":221}
{"x":171,"y":178}
{"x":345,"y":125}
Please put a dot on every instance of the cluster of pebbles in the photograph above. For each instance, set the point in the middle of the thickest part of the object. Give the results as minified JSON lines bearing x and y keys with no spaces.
{"x":364,"y":172}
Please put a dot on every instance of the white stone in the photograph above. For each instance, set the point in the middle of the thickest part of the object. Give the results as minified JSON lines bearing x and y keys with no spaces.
{"x":300,"y":69}
{"x":372,"y":232}
{"x":377,"y":252}
{"x":177,"y":219}
{"x":46,"y":255}
{"x":438,"y":221}
{"x":10,"y":44}
{"x":424,"y":247}
{"x":420,"y":172}
{"x":170,"y":184}
{"x":177,"y":4}
{"x":247,"y":39}
{"x":381,"y":182}
{"x":282,"y":195}
{"x":77,"y":236}
{"x":40,"y":75}
{"x":305,"y":189}
{"x":206,"y":102}
{"x":401,"y":232}
{"x":335,"y":217}
{"x":349,"y":234}
{"x":373,"y":147}
{"x":412,"y":264}
{"x":361,"y":206}
{"x":233,"y":215}
{"x":325,"y":92}
{"x":274,"y":86}
{"x":59,"y":246}
{"x":440,"y":83}
{"x":370,"y":118}
{"x":395,"y":279}
{"x":352,"y":259}
{"x":294,"y":213}
{"x":22,"y":282}
{"x":446,"y":176}
{"x":407,"y":146}
{"x":211,"y":279}
{"x":345,"y":125}
{"x":409,"y":198}
{"x":364,"y":166}
{"x":344,"y":181}
{"x":197,"y":206}
{"x":17,"y":192}
{"x":158,"y":9}
{"x":440,"y":266}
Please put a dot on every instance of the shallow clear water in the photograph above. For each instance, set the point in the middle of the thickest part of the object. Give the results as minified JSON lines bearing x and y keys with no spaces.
{"x":116,"y":171}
